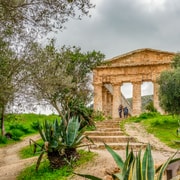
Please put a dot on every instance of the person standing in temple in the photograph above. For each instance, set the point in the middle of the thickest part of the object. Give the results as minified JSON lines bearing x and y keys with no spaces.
{"x":120,"y":109}
{"x":125,"y":110}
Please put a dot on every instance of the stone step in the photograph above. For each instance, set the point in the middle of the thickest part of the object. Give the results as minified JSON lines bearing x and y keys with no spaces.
{"x":118,"y":146}
{"x":107,"y":125}
{"x":109,"y":132}
{"x":111,"y":139}
{"x":108,"y":129}
{"x":108,"y":121}
{"x":104,"y":133}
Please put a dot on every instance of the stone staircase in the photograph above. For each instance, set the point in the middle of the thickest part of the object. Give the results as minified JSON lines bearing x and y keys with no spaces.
{"x":109,"y":132}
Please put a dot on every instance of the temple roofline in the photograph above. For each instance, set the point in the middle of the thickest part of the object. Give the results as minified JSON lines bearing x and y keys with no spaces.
{"x":137,"y":51}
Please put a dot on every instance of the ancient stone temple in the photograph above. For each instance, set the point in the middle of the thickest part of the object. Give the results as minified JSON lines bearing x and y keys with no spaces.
{"x":136,"y":67}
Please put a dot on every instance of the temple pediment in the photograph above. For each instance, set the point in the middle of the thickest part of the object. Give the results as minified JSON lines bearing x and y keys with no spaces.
{"x":140,"y":57}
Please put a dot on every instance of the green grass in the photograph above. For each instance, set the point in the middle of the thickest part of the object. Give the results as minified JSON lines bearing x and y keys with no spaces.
{"x":46,"y":173}
{"x":163,"y":127}
{"x":22,"y":125}
{"x":27,"y":120}
{"x":28,"y":151}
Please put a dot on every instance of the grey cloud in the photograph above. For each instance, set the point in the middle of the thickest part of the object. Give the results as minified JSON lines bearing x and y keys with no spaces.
{"x":119,"y":26}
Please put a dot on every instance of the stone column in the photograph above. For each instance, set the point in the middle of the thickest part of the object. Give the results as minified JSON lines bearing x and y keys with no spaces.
{"x":104,"y":100}
{"x":156,"y":98}
{"x":109,"y":103}
{"x":136,"y":99}
{"x":98,"y":97}
{"x":116,"y":100}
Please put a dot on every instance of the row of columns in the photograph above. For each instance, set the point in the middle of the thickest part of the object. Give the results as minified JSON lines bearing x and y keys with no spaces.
{"x":104,"y":100}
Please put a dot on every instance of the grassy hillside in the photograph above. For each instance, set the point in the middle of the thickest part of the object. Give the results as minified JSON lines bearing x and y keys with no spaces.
{"x":164,"y":127}
{"x":20,"y":125}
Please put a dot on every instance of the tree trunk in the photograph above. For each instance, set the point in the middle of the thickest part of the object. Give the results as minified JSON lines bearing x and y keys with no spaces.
{"x":58,"y":160}
{"x":71,"y":153}
{"x":2,"y":122}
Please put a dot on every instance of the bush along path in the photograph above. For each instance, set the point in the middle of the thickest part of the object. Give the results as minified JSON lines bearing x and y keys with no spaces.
{"x":10,"y":162}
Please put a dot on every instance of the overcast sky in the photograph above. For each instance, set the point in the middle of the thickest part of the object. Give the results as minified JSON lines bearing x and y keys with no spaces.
{"x":120,"y":26}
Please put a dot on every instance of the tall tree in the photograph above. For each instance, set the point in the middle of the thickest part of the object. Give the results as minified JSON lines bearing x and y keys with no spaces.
{"x":32,"y":17}
{"x":169,"y":92}
{"x":10,"y":77}
{"x":61,"y":77}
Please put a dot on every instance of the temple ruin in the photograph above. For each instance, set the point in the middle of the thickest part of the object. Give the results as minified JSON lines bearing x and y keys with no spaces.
{"x":136,"y":67}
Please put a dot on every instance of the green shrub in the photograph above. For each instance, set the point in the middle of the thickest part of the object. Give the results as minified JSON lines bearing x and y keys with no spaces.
{"x":98,"y":116}
{"x":90,"y":128}
{"x":150,"y":107}
{"x":12,"y":117}
{"x":35,"y":125}
{"x":60,"y":141}
{"x":178,"y":129}
{"x":148,"y":115}
{"x":156,"y":123}
{"x":3,"y":140}
{"x":19,"y":127}
{"x":28,"y":151}
{"x":17,"y":134}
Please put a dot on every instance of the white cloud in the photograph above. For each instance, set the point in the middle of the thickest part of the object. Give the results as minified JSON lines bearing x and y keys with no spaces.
{"x":153,"y":5}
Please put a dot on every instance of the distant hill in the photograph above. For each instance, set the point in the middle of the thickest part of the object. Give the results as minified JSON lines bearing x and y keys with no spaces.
{"x":144,"y":100}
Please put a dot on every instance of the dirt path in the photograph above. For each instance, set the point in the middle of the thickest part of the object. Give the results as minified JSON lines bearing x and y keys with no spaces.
{"x":11,"y":164}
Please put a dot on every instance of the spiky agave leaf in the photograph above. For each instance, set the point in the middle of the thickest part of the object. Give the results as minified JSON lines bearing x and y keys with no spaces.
{"x":128,"y":165}
{"x":57,"y":130}
{"x":39,"y":160}
{"x":164,"y":166}
{"x":127,"y":149}
{"x":88,"y":176}
{"x":148,"y":171}
{"x":42,"y":134}
{"x":134,"y":169}
{"x":139,"y":166}
{"x":81,"y":137}
{"x":47,"y":130}
{"x":130,"y":174}
{"x":115,"y":156}
{"x":171,"y":161}
{"x":72,"y":131}
{"x":35,"y":145}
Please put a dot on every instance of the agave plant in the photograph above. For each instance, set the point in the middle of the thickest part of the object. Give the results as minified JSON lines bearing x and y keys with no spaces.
{"x":136,"y":167}
{"x":61,"y":141}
